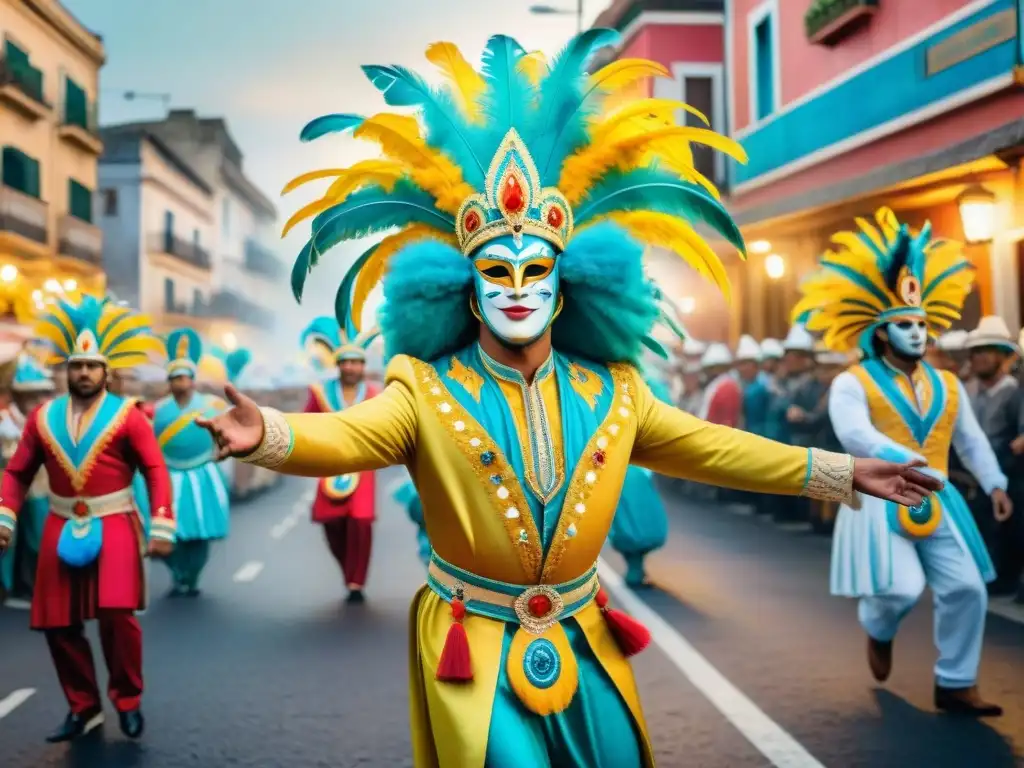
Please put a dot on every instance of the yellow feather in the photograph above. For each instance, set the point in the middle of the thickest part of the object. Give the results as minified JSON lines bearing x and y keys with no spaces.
{"x":665,"y":231}
{"x":305,"y":178}
{"x":535,"y":66}
{"x":376,"y":266}
{"x":468,"y":84}
{"x":398,"y":136}
{"x":383,"y":173}
{"x":143,"y":345}
{"x":122,"y":323}
{"x":623,"y":73}
{"x":60,"y":318}
{"x":129,"y":361}
{"x":109,"y":317}
{"x":52,"y":332}
{"x":870,"y":232}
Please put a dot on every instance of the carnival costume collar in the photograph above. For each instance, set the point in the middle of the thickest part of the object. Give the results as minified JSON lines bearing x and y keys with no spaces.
{"x":883,"y":274}
{"x":184,"y":351}
{"x":524,"y":148}
{"x":97,"y":330}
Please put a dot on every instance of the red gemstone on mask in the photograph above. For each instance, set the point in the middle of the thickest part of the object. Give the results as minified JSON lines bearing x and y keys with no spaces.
{"x":472,"y":221}
{"x":539,"y":605}
{"x":555,"y":217}
{"x":512,"y":195}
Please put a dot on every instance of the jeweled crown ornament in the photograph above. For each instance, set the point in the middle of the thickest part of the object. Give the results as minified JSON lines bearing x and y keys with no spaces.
{"x":513,"y":203}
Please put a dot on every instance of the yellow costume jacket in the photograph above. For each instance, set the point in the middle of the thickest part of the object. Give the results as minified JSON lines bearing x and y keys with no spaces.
{"x":519,"y":484}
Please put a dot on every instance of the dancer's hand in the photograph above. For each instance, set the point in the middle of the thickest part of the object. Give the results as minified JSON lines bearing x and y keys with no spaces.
{"x":1002,"y":507}
{"x":902,"y":483}
{"x":6,"y":534}
{"x":160,"y":547}
{"x":239,"y":430}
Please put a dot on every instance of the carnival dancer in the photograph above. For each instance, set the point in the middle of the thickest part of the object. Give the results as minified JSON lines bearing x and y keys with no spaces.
{"x":883,"y":290}
{"x":514,"y":290}
{"x":344,"y":504}
{"x":200,"y":490}
{"x":90,"y":560}
{"x":31,"y":385}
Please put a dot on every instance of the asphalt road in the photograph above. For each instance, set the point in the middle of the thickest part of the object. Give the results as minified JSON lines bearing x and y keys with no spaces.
{"x":753,"y":665}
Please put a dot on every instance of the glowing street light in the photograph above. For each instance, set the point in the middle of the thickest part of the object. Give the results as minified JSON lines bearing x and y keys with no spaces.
{"x":8,"y":273}
{"x":70,"y":284}
{"x":977,"y":213}
{"x":775,"y":266}
{"x":51,"y":286}
{"x":760,"y":246}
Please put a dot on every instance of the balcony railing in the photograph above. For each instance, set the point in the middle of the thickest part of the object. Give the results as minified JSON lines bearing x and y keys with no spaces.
{"x":225,"y":304}
{"x":24,"y":77}
{"x":166,"y":242}
{"x":80,"y":240}
{"x":22,"y":214}
{"x":80,"y":125}
{"x":262,"y":261}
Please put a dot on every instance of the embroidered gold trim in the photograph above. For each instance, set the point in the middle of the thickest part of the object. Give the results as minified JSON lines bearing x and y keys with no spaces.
{"x":79,"y":476}
{"x":587,"y":384}
{"x":507,"y":497}
{"x":588,"y":471}
{"x":831,"y":477}
{"x":276,"y":445}
{"x":471,"y":381}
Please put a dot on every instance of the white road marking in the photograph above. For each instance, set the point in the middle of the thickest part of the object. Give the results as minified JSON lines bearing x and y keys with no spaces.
{"x":300,"y":507}
{"x":17,"y":604}
{"x":248,"y":572}
{"x":15,"y":700}
{"x":760,"y":730}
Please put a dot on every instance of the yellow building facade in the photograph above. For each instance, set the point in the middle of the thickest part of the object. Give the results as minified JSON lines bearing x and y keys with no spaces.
{"x":50,"y":145}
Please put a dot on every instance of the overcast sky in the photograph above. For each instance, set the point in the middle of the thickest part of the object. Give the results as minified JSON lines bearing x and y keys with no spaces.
{"x":268,"y":66}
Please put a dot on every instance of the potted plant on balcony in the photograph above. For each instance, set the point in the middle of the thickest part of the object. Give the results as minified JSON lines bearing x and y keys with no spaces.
{"x":828,"y":21}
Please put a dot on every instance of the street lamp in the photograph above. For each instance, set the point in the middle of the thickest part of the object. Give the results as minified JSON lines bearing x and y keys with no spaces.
{"x":8,"y":273}
{"x":550,"y":10}
{"x":977,"y":213}
{"x":760,"y":246}
{"x":775,"y":266}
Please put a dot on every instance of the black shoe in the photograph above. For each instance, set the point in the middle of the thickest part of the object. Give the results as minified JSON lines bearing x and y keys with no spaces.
{"x":132,"y":723}
{"x":76,"y":726}
{"x":965,"y":701}
{"x":355,"y":596}
{"x":880,"y":659}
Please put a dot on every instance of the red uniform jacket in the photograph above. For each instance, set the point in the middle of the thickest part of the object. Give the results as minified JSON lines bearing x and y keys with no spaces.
{"x":117,"y":442}
{"x":349,"y":495}
{"x":723,"y":402}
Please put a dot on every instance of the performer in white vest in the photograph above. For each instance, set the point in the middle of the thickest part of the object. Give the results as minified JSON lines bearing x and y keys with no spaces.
{"x":884,"y":290}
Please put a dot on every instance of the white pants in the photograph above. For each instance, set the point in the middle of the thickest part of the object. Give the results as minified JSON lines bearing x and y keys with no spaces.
{"x":961,"y":601}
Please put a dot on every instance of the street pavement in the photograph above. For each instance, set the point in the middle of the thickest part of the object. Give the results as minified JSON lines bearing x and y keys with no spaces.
{"x":753,"y":663}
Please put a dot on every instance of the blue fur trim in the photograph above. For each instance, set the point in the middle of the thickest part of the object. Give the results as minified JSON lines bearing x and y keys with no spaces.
{"x":609,"y":305}
{"x":426,"y":302}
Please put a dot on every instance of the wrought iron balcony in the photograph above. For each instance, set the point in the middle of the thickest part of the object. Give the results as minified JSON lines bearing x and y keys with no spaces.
{"x":80,"y":240}
{"x":261,"y":260}
{"x":81,"y":127}
{"x":23,"y":215}
{"x":225,"y":304}
{"x":21,"y":87}
{"x":166,"y":242}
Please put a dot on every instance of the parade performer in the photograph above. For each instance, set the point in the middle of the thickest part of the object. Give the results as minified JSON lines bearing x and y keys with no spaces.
{"x":344,"y":504}
{"x":201,"y":503}
{"x":31,"y":385}
{"x":883,"y":290}
{"x":91,"y":442}
{"x":515,"y":301}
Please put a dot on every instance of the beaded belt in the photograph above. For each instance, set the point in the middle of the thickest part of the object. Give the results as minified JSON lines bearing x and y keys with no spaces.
{"x":115,"y":503}
{"x":535,"y":608}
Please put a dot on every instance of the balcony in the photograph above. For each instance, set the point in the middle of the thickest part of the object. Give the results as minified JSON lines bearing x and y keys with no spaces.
{"x":261,"y":261}
{"x":21,"y":88}
{"x":80,"y":240}
{"x":225,"y":304}
{"x":23,"y":216}
{"x":190,"y":253}
{"x":80,"y":127}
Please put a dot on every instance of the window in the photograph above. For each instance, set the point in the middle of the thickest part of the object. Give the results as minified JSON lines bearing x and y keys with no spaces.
{"x":20,"y":171}
{"x":225,"y":221}
{"x":699,"y":94}
{"x":76,"y":104}
{"x":79,"y":201}
{"x":763,"y":53}
{"x":109,"y":202}
{"x":168,"y":232}
{"x":27,"y":77}
{"x":195,"y":238}
{"x":168,"y":295}
{"x":197,"y":300}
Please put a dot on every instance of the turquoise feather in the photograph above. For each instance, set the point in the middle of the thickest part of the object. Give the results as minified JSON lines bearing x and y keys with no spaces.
{"x":194,"y":347}
{"x":236,"y":362}
{"x":655,"y":346}
{"x":653,"y":190}
{"x":300,"y":270}
{"x":343,"y":298}
{"x":321,"y":126}
{"x":508,"y":99}
{"x":855,"y":277}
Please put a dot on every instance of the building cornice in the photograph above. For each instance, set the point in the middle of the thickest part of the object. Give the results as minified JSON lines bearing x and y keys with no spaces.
{"x":70,"y":28}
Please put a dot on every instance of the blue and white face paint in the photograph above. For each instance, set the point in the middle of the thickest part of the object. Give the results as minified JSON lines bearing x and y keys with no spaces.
{"x":909,"y":336}
{"x":517,"y":287}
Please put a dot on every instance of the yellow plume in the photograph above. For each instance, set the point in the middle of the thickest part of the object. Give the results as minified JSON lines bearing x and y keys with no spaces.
{"x":375,"y":267}
{"x":623,"y":73}
{"x":51,"y":332}
{"x":644,"y":110}
{"x":383,"y":173}
{"x":109,"y":317}
{"x":305,"y":178}
{"x":468,"y":83}
{"x":666,"y":231}
{"x":534,"y":65}
{"x":398,"y":136}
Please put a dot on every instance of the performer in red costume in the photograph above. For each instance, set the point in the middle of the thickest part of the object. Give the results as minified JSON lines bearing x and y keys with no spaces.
{"x":344,"y":505}
{"x":90,"y":560}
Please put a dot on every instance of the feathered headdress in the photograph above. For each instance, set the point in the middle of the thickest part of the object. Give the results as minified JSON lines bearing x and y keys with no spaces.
{"x":880,"y":274}
{"x":31,"y":376}
{"x":235,"y":362}
{"x":97,"y":330}
{"x":327,"y":344}
{"x":519,"y":147}
{"x":184,"y":351}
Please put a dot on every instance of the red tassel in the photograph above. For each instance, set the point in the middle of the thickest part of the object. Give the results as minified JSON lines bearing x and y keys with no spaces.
{"x":455,"y":666}
{"x":630,"y":635}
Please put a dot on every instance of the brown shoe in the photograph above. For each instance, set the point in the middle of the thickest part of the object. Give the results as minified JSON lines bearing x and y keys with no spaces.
{"x":965,"y":701}
{"x":880,"y":658}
